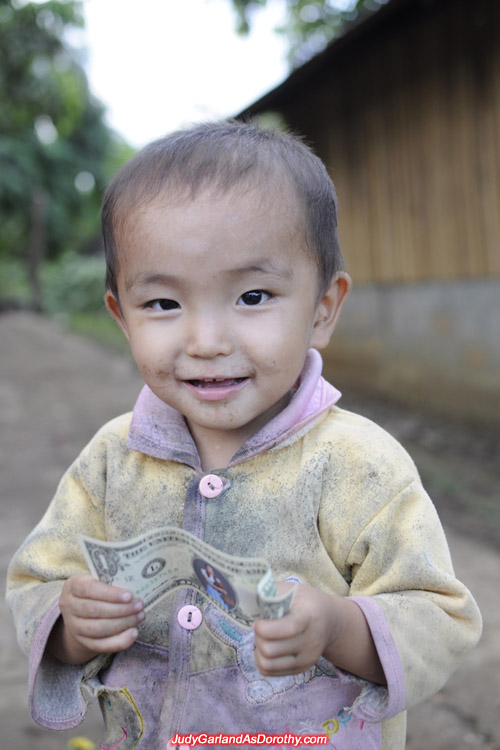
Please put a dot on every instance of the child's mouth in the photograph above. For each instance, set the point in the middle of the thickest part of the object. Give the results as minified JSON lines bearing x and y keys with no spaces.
{"x":216,"y":382}
{"x":216,"y":389}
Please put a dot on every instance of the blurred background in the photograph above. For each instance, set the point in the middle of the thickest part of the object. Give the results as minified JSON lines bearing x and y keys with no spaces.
{"x":401,"y":100}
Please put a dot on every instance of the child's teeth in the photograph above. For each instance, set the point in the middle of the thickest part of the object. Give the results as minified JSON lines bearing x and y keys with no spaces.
{"x":214,"y":381}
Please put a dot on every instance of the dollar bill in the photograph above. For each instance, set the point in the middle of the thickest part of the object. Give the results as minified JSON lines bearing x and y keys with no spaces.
{"x":160,"y":561}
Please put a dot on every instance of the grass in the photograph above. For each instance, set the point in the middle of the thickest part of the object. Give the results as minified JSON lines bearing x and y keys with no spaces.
{"x":98,"y":326}
{"x":72,"y":293}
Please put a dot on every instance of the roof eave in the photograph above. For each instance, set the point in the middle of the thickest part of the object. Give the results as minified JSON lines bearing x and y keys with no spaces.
{"x":354,"y":33}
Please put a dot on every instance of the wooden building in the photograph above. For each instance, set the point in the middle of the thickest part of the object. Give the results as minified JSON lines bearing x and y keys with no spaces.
{"x":404,"y":109}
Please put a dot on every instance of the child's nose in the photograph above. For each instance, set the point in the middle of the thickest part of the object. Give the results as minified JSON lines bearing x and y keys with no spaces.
{"x":208,"y":336}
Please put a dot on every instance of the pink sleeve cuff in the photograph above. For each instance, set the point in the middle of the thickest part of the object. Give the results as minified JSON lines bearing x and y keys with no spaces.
{"x":55,"y":697}
{"x":377,"y":703}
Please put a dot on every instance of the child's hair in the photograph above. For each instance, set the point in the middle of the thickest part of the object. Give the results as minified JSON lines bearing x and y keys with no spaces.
{"x":224,"y":154}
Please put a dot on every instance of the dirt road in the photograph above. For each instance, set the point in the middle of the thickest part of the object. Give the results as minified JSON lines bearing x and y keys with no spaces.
{"x":55,"y":391}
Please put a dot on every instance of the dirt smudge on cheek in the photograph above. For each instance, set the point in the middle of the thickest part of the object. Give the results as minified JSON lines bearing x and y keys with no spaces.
{"x":153,"y":375}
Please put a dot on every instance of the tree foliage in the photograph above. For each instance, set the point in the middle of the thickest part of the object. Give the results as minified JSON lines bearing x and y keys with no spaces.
{"x":310,"y":24}
{"x":54,"y":143}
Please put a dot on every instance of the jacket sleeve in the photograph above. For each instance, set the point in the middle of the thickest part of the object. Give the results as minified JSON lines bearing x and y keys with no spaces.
{"x":384,"y":535}
{"x":36,"y":575}
{"x":401,"y":566}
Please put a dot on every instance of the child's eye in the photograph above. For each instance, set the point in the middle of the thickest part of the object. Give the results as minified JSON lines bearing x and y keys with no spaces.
{"x":255,"y":297}
{"x":163,"y":304}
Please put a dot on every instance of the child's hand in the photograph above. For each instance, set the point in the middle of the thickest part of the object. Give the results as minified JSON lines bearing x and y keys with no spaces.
{"x":96,"y":618}
{"x":295,"y":642}
{"x":317,"y":624}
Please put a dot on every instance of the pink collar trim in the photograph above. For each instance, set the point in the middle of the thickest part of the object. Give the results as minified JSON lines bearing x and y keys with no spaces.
{"x":160,"y":431}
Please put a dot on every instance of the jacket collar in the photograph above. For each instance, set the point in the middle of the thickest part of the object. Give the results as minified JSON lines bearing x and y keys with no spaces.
{"x":160,"y":431}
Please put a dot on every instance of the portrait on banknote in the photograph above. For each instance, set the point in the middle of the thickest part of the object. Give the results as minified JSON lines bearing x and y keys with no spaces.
{"x":215,"y":583}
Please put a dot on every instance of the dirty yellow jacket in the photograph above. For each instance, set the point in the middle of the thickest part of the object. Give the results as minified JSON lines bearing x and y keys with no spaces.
{"x":329,"y":499}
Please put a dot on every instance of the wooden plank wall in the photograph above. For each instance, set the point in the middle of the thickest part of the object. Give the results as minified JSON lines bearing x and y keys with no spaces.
{"x":409,"y":126}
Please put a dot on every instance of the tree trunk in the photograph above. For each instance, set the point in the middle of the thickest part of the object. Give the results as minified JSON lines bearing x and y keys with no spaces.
{"x":36,"y":249}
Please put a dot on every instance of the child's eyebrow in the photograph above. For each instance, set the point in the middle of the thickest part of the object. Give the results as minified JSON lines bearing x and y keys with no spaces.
{"x":150,"y":279}
{"x":264,"y":267}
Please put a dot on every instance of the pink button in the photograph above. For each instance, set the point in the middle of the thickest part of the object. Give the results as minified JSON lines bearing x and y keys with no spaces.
{"x":211,"y":485}
{"x":189,"y":617}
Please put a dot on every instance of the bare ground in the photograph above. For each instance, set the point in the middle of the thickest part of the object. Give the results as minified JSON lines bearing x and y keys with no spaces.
{"x":57,"y":389}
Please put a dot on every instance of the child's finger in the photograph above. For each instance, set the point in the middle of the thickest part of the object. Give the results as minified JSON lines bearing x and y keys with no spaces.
{"x":278,"y":666}
{"x":96,"y":609}
{"x":84,"y":586}
{"x":289,"y":626}
{"x":111,"y":644}
{"x":274,"y":649}
{"x":98,"y":629}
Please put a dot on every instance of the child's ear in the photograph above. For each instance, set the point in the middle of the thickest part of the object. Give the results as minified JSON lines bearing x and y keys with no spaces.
{"x":114,"y":309}
{"x":328,"y":310}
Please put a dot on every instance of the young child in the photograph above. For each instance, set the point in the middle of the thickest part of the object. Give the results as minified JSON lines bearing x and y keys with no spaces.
{"x":225,"y":275}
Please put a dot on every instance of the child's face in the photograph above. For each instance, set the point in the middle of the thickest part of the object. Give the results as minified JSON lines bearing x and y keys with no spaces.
{"x":219,"y":301}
